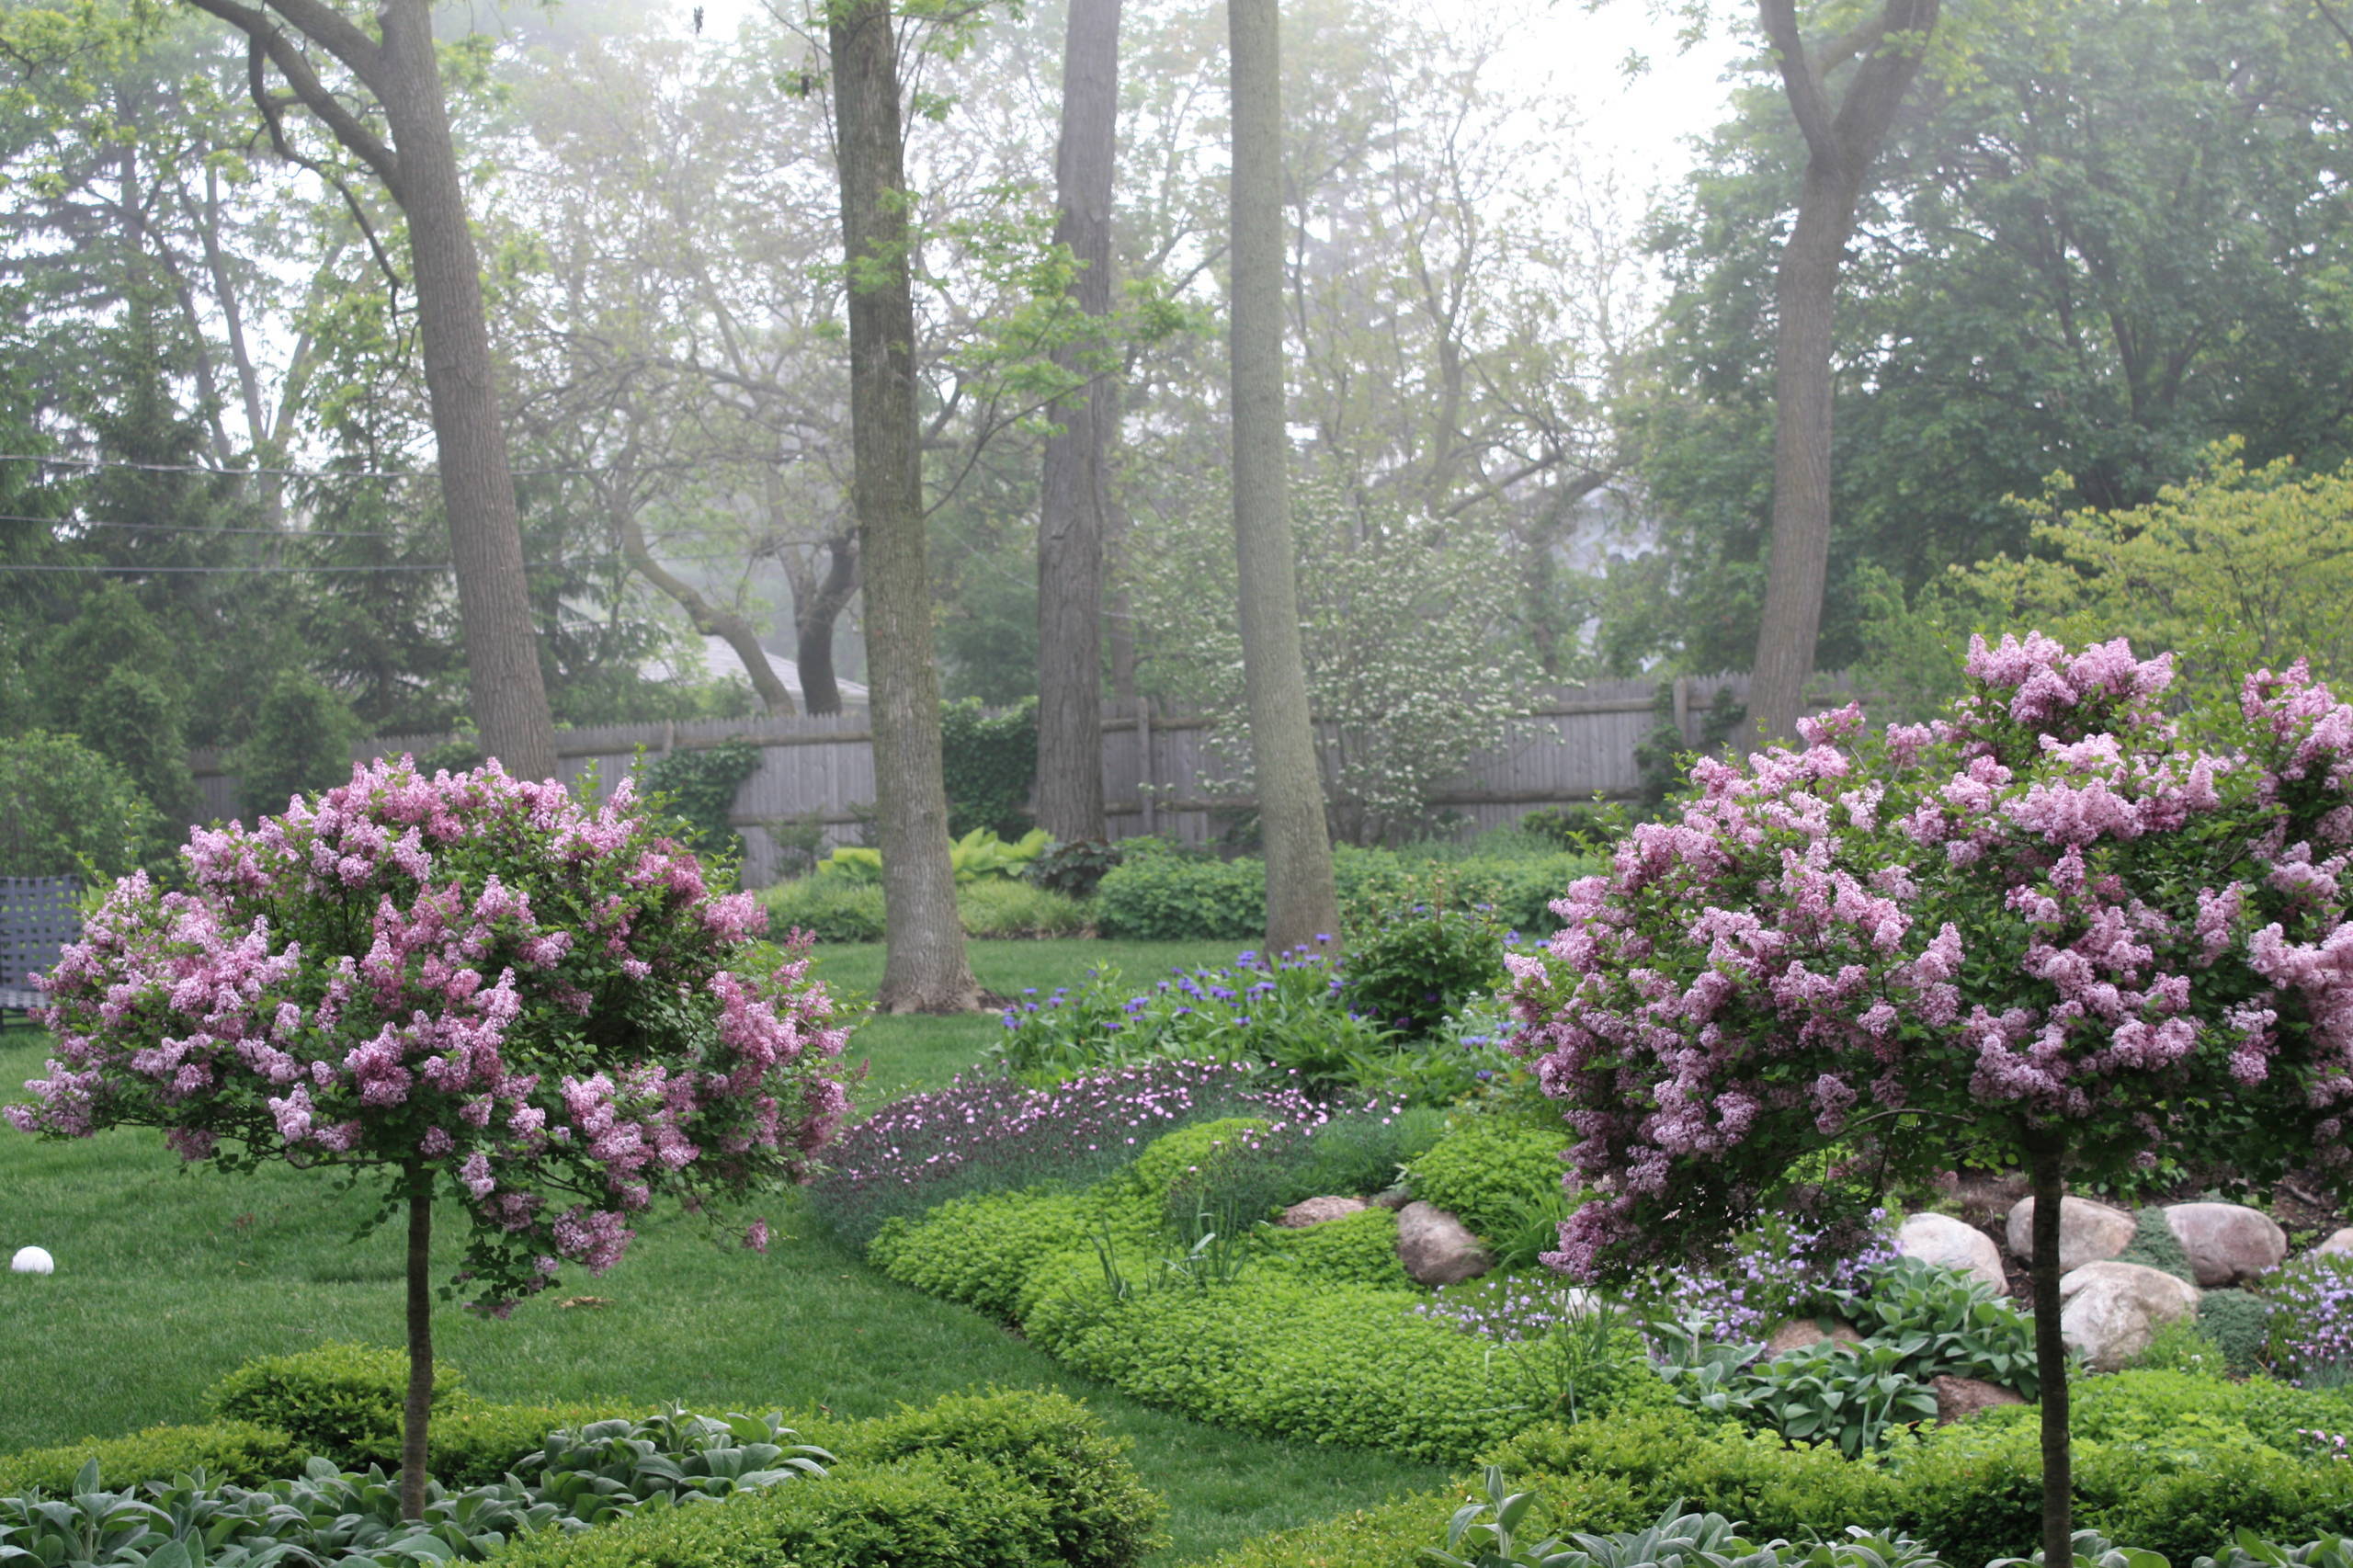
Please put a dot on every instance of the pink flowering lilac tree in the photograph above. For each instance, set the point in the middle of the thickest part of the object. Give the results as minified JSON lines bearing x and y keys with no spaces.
{"x":472,"y":984}
{"x":2058,"y":928}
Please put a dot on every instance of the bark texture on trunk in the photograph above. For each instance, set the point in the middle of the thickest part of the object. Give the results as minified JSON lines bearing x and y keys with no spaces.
{"x":2046,"y":1170}
{"x":1074,"y":499}
{"x":1300,"y":901}
{"x":416,"y":1412}
{"x":1841,"y":141}
{"x":923,"y":969}
{"x":418,"y":167}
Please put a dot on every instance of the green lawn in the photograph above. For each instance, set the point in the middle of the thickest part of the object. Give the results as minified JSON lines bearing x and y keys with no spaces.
{"x":168,"y":1278}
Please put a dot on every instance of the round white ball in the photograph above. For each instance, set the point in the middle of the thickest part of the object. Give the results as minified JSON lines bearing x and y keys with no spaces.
{"x":32,"y":1260}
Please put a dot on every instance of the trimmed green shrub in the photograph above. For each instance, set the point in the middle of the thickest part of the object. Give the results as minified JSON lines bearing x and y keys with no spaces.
{"x":239,"y":1452}
{"x":1424,"y":963}
{"x":341,"y":1401}
{"x":1487,"y":1171}
{"x":1101,"y":1514}
{"x":934,"y":1510}
{"x":995,"y":907}
{"x":832,"y":909}
{"x":474,"y":1445}
{"x":1664,"y":1457}
{"x":1173,"y":1157}
{"x":1170,"y":898}
{"x":980,"y":1249}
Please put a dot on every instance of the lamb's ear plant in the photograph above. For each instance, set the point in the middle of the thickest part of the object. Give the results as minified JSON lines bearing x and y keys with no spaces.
{"x":1484,"y":1534}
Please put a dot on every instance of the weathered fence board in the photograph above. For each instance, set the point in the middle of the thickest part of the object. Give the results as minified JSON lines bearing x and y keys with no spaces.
{"x":1160,"y":771}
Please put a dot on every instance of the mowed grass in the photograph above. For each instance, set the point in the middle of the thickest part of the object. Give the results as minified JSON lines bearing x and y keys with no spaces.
{"x":169,"y":1278}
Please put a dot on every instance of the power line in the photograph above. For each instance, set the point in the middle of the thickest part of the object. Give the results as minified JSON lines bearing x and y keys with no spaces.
{"x":216,"y":472}
{"x":195,"y":528}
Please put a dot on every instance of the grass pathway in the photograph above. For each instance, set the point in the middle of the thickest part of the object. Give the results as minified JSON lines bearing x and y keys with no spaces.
{"x":167,"y":1278}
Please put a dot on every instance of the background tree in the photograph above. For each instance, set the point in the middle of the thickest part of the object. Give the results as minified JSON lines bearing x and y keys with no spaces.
{"x":1301,"y":904}
{"x":1842,"y":137}
{"x":1075,"y":495}
{"x":2051,"y":933}
{"x":229,"y":1016}
{"x":415,"y":159}
{"x":2107,"y":245}
{"x":924,"y":970}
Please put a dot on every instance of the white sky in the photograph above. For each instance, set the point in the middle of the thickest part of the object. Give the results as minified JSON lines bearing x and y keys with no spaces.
{"x":1637,"y":127}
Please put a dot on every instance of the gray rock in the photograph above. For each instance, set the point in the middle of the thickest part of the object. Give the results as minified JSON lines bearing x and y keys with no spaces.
{"x":2338,"y":1244}
{"x":2088,"y":1231}
{"x":1437,"y":1249}
{"x":2109,"y":1312}
{"x":1799,"y":1333}
{"x":1316,"y":1210}
{"x":1957,"y":1399}
{"x":1393,"y":1198}
{"x":2228,"y":1244}
{"x":1948,"y":1242}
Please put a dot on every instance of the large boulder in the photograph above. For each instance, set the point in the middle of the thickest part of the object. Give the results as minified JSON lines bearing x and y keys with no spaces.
{"x":1957,"y":1399}
{"x":2228,"y":1244}
{"x":1437,"y":1249}
{"x":2338,"y":1244}
{"x":1316,"y":1210}
{"x":1952,"y":1243}
{"x":2109,"y":1312}
{"x":2088,"y":1231}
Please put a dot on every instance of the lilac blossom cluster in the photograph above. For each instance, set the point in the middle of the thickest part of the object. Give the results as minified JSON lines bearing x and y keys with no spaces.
{"x":473,"y":975}
{"x":985,"y":1132}
{"x":2053,"y":916}
{"x":2312,"y":1319}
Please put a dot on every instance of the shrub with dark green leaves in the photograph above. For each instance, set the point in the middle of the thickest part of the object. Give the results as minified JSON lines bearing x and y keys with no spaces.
{"x":1074,"y":867}
{"x":341,"y":1401}
{"x":1488,"y":1170}
{"x":1169,"y":898}
{"x":988,"y":763}
{"x":1426,"y":962}
{"x":61,"y":803}
{"x":698,"y":785}
{"x":301,"y":742}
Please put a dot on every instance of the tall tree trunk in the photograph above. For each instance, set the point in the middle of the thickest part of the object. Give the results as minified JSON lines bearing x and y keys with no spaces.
{"x":508,"y":697}
{"x":1074,"y":498}
{"x":2046,"y":1170}
{"x":1301,"y":904}
{"x":923,"y":968}
{"x":419,"y":169}
{"x":416,"y":1412}
{"x":1841,"y":143}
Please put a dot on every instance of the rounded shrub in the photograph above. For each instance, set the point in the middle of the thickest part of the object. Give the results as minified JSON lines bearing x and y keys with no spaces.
{"x":339,"y":1401}
{"x":1489,"y":1170}
{"x":1172,"y":898}
{"x":63,"y":804}
{"x":242,"y":1453}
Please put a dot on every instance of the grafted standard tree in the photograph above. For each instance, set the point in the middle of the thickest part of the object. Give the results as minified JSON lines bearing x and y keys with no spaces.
{"x":1301,"y":902}
{"x":1074,"y":499}
{"x":1841,"y":138}
{"x":923,"y":969}
{"x":416,"y":162}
